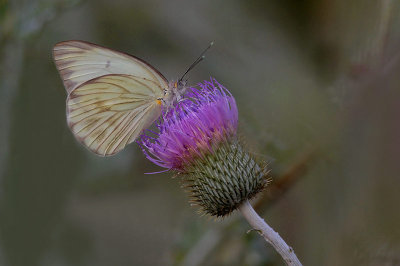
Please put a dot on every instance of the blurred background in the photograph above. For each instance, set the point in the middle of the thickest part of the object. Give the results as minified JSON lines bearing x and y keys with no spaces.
{"x":317,"y":84}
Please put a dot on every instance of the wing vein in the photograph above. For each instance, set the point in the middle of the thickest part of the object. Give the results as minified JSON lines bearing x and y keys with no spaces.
{"x":68,"y":57}
{"x":86,"y":64}
{"x":98,"y":135}
{"x":96,"y":127}
{"x":130,"y":128}
{"x":114,"y":129}
{"x":77,"y":76}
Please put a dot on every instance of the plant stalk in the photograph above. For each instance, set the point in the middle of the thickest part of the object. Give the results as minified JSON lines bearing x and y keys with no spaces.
{"x":269,"y":234}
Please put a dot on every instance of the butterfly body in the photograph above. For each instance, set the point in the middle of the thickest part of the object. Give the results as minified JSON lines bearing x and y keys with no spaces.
{"x":112,"y":96}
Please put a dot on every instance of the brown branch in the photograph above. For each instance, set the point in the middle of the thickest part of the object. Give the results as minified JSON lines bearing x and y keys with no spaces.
{"x":282,"y":184}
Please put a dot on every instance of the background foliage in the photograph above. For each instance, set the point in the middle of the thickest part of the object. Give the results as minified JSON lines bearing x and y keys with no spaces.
{"x":317,"y":86}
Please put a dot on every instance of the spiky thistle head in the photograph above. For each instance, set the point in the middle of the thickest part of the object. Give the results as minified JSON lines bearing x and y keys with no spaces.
{"x":197,"y":139}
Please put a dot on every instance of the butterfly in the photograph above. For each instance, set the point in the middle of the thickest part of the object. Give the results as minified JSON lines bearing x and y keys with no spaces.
{"x":112,"y":96}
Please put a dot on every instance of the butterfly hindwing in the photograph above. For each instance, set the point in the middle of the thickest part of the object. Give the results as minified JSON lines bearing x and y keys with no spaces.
{"x":108,"y":112}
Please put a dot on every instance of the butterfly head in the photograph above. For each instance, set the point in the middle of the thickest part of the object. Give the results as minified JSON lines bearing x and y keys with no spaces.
{"x":176,"y":89}
{"x":174,"y":93}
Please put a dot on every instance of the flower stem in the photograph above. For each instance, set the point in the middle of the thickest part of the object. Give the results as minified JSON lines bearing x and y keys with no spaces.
{"x":269,"y":234}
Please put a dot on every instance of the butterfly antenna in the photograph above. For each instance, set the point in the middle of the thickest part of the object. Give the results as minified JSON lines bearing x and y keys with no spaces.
{"x":198,"y":60}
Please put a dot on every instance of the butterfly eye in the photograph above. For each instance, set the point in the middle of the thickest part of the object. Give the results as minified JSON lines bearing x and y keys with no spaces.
{"x":182,"y":83}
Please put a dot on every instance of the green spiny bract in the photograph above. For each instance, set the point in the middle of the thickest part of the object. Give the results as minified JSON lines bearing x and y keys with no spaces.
{"x":220,"y":181}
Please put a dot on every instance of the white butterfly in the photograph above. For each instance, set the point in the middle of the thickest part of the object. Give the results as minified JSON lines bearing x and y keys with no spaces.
{"x":112,"y":96}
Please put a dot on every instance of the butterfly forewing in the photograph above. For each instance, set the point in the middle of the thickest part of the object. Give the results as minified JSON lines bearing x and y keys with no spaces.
{"x":108,"y":112}
{"x":79,"y":61}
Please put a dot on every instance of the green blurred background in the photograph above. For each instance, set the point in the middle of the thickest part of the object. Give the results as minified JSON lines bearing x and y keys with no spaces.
{"x":317,"y":84}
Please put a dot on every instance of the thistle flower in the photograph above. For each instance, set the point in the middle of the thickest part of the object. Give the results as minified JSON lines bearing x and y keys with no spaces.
{"x":197,"y":139}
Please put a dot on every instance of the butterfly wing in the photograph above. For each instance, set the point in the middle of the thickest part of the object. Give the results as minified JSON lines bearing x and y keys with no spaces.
{"x":79,"y":61}
{"x":109,"y":112}
{"x":112,"y":96}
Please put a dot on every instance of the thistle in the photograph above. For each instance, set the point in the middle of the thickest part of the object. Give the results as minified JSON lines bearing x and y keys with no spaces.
{"x":197,"y":139}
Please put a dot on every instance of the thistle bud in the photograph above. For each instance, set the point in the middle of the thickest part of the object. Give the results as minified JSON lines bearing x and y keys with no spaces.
{"x":197,"y":139}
